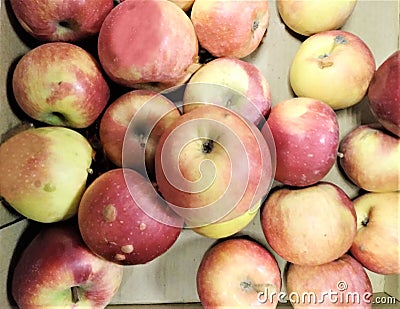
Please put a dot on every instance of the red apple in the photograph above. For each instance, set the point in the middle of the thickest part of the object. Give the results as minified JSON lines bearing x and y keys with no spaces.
{"x":230,"y":28}
{"x":44,"y":172}
{"x":61,"y":20}
{"x":60,"y":84}
{"x":232,"y":83}
{"x":309,"y":226}
{"x":132,"y":125}
{"x":123,"y":219}
{"x":323,"y":68}
{"x":236,"y":272}
{"x":306,"y":135}
{"x":370,"y":157}
{"x":149,"y":43}
{"x":57,"y":270}
{"x":377,"y":243}
{"x":384,"y":93}
{"x":339,"y":284}
{"x":212,"y":165}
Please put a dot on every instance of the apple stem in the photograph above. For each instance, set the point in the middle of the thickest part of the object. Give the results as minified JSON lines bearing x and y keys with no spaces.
{"x":75,"y":294}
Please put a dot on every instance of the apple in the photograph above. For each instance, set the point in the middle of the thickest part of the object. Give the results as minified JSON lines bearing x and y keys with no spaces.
{"x":384,"y":93}
{"x":44,"y":172}
{"x":131,"y":127}
{"x":340,"y":283}
{"x":228,"y":228}
{"x":148,"y":44}
{"x":308,"y":17}
{"x":60,"y":84}
{"x":235,"y":272}
{"x":370,"y":158}
{"x":230,"y":28}
{"x":323,"y":68}
{"x":61,"y":20}
{"x":212,"y":165}
{"x":232,"y":83}
{"x":309,"y":226}
{"x":123,"y":219}
{"x":57,"y":270}
{"x":377,"y":243}
{"x":306,"y":135}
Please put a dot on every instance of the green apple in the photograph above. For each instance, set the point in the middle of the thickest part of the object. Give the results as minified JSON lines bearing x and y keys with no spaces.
{"x":44,"y":172}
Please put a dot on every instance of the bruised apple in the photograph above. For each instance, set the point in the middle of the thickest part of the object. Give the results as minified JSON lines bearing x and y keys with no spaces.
{"x":148,"y":43}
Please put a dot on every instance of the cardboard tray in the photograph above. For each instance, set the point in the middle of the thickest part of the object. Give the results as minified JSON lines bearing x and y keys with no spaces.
{"x":170,"y":279}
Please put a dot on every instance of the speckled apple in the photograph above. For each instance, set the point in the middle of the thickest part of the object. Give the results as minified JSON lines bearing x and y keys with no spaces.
{"x":148,"y":44}
{"x":122,"y":218}
{"x":230,"y":28}
{"x":61,"y":20}
{"x":370,"y":157}
{"x":306,"y":135}
{"x":131,"y":127}
{"x":60,"y":84}
{"x":233,"y":83}
{"x":309,"y":226}
{"x":377,"y":243}
{"x":44,"y":172}
{"x":57,"y":270}
{"x":342,"y":283}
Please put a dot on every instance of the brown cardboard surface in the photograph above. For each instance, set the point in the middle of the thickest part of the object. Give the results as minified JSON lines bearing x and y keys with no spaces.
{"x":171,"y":277}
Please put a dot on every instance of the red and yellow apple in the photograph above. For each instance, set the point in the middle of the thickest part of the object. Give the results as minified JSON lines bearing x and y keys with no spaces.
{"x":148,"y":43}
{"x":232,"y":83}
{"x":309,"y":226}
{"x":60,"y":84}
{"x":384,"y":93}
{"x":123,"y":219}
{"x":306,"y":135}
{"x":230,"y":28}
{"x":131,"y":127}
{"x":234,"y":272}
{"x":44,"y":172}
{"x":61,"y":20}
{"x":212,"y":165}
{"x":57,"y":270}
{"x":341,"y":283}
{"x":370,"y":158}
{"x":324,"y":68}
{"x":377,"y":243}
{"x":308,"y":17}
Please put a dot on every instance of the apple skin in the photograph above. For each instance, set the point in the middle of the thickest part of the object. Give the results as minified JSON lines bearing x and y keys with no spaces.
{"x":376,"y":245}
{"x":234,"y":271}
{"x":384,"y":93}
{"x":323,"y":68}
{"x":232,"y":83}
{"x":57,"y":260}
{"x":122,"y":218}
{"x":145,"y":115}
{"x":44,"y":172}
{"x":345,"y":278}
{"x":61,"y":20}
{"x":306,"y":135}
{"x":212,"y":165}
{"x":230,"y":28}
{"x":312,"y":16}
{"x":370,"y":157}
{"x":158,"y":27}
{"x":309,"y":226}
{"x":60,"y":84}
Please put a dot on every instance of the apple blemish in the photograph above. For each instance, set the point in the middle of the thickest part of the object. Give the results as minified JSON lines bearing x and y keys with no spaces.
{"x":127,"y":249}
{"x":109,"y":213}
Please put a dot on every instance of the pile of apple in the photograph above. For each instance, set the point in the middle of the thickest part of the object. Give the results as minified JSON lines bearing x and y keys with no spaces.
{"x":161,"y":125}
